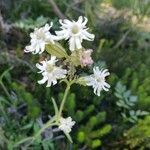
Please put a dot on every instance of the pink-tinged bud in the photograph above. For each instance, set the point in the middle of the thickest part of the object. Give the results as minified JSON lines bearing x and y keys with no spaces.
{"x":85,"y":58}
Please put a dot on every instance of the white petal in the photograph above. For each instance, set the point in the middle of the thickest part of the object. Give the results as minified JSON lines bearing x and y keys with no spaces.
{"x":107,"y":85}
{"x":72,"y":44}
{"x":88,"y":36}
{"x":54,"y":82}
{"x":43,"y":80}
{"x":37,"y":49}
{"x":47,"y":27}
{"x":80,"y":20}
{"x":42,"y":47}
{"x":28,"y":49}
{"x":85,"y":21}
{"x":66,"y":21}
{"x":40,"y":67}
{"x":78,"y":43}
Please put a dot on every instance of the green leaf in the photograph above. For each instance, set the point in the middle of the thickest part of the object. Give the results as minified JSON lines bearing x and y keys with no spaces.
{"x":96,"y":143}
{"x":55,"y":106}
{"x":132,"y":112}
{"x":81,"y":136}
{"x":141,"y":113}
{"x":28,"y":126}
{"x":5,"y":73}
{"x":133,"y":99}
{"x":79,"y":115}
{"x":118,"y":95}
{"x":69,"y":137}
{"x":36,"y":128}
{"x":45,"y":146}
{"x":56,"y":50}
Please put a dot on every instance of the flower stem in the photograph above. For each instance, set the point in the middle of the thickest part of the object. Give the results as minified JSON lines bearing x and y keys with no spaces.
{"x":64,"y":100}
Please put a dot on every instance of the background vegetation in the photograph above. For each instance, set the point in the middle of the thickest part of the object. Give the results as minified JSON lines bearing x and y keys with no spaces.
{"x":116,"y":120}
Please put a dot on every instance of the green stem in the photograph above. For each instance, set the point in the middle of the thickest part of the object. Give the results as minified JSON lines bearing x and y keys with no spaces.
{"x":64,"y":100}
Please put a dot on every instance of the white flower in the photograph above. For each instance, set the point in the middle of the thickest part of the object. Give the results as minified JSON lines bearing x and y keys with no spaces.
{"x":50,"y":72}
{"x":97,"y":80}
{"x":66,"y":124}
{"x":39,"y":38}
{"x":76,"y":32}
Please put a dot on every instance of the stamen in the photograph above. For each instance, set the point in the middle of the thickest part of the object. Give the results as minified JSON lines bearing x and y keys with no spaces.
{"x":49,"y":68}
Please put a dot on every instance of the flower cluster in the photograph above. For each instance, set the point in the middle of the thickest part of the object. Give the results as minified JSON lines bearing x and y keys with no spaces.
{"x":62,"y":65}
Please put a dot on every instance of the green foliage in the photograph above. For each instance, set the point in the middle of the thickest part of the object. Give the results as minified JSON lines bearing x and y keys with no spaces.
{"x":30,"y":23}
{"x":137,"y":6}
{"x":138,"y":137}
{"x":127,"y":103}
{"x":21,"y":95}
{"x":33,"y":8}
{"x":3,"y":140}
{"x":126,"y":100}
{"x":92,"y":128}
{"x":140,"y":88}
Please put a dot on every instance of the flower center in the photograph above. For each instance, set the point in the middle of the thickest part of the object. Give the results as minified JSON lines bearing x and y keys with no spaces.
{"x":75,"y":29}
{"x":49,"y":68}
{"x":100,"y":79}
{"x":40,"y":36}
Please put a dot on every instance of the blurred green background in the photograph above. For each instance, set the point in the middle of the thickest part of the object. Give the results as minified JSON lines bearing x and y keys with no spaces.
{"x":117,"y":120}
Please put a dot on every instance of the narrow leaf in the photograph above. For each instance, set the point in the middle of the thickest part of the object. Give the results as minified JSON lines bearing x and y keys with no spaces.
{"x":69,"y":137}
{"x":55,"y":106}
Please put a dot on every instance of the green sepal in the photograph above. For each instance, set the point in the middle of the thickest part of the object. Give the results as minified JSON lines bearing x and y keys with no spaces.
{"x":81,"y":81}
{"x":56,"y":50}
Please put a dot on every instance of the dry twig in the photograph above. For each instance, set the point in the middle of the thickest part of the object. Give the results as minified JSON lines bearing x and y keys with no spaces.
{"x":56,"y":9}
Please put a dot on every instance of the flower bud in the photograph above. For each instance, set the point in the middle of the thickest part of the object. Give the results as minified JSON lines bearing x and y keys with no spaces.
{"x":85,"y":58}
